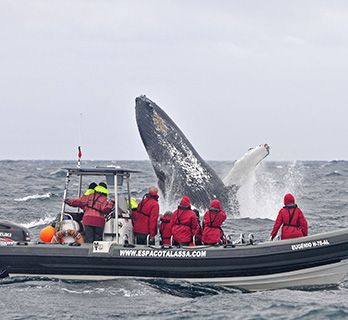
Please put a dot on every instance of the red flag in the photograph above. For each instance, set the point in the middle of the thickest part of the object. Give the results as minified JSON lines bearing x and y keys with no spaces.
{"x":79,"y":154}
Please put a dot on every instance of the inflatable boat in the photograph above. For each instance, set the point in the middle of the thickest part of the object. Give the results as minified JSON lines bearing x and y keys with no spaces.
{"x":316,"y":260}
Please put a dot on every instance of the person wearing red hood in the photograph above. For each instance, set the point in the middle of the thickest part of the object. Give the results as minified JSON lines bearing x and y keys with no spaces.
{"x":146,"y":216}
{"x":166,"y":228}
{"x":184,"y":223}
{"x":212,"y":222}
{"x":292,"y":220}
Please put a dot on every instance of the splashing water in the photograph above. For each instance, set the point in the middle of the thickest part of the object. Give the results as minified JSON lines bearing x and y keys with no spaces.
{"x":39,"y":222}
{"x":262,"y":191}
{"x":261,"y":196}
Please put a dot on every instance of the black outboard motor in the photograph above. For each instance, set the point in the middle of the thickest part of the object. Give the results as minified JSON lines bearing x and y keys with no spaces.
{"x":14,"y":232}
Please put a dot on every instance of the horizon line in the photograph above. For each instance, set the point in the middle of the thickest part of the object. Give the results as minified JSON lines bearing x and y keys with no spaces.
{"x":224,"y":160}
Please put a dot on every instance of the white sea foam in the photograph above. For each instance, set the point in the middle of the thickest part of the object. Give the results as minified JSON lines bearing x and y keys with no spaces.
{"x":108,"y":290}
{"x":34,"y":197}
{"x":39,"y":222}
{"x":58,"y":173}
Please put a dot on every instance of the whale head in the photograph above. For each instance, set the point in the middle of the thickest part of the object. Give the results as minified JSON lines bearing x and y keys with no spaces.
{"x":179,"y":168}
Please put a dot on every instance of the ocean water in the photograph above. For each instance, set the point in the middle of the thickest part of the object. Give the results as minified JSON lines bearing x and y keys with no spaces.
{"x":31,"y":193}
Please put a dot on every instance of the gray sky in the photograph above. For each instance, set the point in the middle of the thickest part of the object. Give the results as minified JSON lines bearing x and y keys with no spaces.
{"x":231,"y":74}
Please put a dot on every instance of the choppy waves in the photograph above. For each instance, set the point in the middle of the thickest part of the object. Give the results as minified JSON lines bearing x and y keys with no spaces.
{"x":34,"y":197}
{"x":321,"y":194}
{"x":333,"y":173}
{"x":163,"y":299}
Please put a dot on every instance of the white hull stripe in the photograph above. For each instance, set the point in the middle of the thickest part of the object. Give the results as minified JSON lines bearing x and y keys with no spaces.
{"x":323,"y":275}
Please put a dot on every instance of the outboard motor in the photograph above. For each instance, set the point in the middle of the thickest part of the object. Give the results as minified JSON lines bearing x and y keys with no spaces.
{"x":12,"y":231}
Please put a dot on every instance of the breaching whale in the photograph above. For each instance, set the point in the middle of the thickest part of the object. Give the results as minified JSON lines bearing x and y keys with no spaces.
{"x":178,"y":166}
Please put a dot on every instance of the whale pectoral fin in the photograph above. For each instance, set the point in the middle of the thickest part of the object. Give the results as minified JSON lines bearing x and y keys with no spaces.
{"x":246,"y":164}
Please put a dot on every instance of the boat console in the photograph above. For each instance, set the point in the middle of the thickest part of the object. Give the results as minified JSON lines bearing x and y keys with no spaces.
{"x":118,"y":227}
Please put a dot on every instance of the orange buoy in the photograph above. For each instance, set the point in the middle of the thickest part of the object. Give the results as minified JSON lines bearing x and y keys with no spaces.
{"x":47,"y":233}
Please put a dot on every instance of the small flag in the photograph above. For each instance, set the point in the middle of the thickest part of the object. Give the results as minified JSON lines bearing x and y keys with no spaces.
{"x":79,"y":154}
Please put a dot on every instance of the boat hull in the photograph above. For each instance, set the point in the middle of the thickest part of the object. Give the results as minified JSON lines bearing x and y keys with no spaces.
{"x":325,"y":275}
{"x":314,"y":260}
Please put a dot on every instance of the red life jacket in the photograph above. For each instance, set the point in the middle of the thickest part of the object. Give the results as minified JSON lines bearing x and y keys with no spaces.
{"x":165,"y":229}
{"x":184,"y":224}
{"x":213,"y":220}
{"x":293,"y":222}
{"x":95,"y":206}
{"x":146,"y":216}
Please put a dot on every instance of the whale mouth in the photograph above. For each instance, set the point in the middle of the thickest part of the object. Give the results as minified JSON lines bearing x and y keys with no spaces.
{"x":142,"y":102}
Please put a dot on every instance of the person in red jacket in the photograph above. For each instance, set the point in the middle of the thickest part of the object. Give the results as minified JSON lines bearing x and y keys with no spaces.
{"x":166,"y":228}
{"x":212,"y":222}
{"x":292,"y":220}
{"x":184,"y":223}
{"x":95,"y":206}
{"x":146,"y":216}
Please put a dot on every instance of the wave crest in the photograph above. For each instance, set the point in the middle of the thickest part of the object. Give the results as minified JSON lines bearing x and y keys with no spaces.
{"x":34,"y":197}
{"x":39,"y":222}
{"x":333,"y":173}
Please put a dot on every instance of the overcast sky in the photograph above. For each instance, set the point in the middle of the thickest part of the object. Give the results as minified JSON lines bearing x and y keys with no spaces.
{"x":231,"y":74}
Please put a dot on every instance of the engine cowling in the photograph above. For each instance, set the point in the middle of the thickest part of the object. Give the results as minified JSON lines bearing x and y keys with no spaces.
{"x":13,"y":231}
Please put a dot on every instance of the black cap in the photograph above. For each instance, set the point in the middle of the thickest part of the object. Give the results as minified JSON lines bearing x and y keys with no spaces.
{"x":92,"y":185}
{"x":103,"y":184}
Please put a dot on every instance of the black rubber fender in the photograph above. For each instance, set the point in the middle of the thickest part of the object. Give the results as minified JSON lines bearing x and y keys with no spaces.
{"x":3,"y":273}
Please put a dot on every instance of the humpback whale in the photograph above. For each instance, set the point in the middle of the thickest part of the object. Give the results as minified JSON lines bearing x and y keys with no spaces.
{"x":178,"y":166}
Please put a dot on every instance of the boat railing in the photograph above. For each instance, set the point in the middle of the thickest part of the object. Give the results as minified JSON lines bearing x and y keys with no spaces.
{"x":148,"y":240}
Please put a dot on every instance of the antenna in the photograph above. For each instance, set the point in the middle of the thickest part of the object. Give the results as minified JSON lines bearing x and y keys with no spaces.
{"x":79,"y":151}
